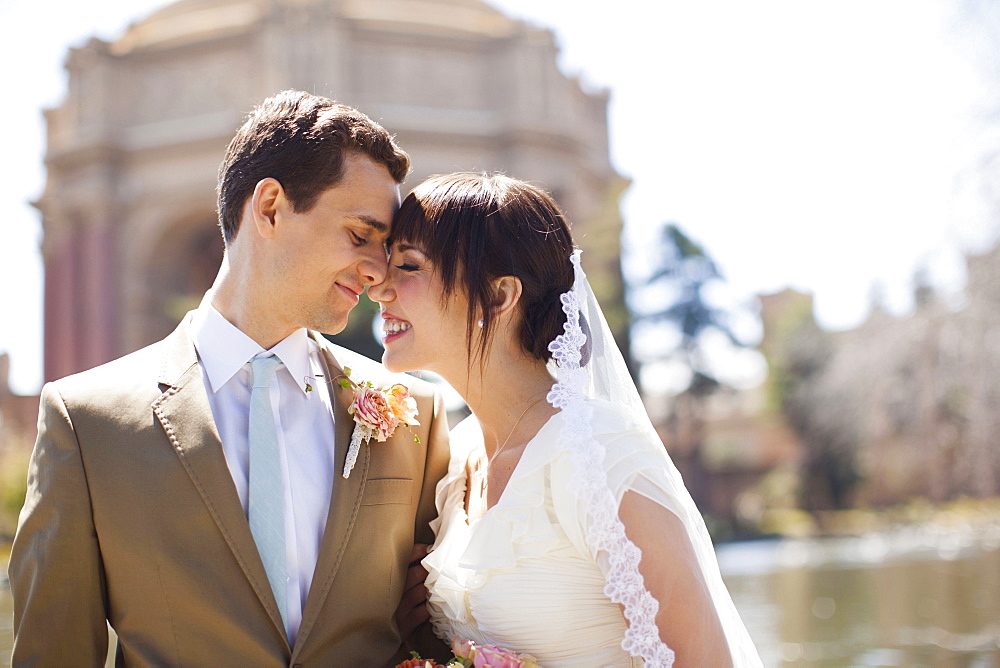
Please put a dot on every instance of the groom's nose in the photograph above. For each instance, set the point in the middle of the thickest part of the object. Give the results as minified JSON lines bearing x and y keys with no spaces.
{"x":373,"y":267}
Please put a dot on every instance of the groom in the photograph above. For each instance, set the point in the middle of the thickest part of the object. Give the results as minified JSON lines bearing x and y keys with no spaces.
{"x":191,"y":494}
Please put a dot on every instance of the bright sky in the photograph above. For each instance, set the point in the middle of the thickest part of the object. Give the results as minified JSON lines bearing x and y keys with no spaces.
{"x":828,"y":145}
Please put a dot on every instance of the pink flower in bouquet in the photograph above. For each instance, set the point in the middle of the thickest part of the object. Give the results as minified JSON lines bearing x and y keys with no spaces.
{"x":371,"y":409}
{"x":463,"y":649}
{"x":491,"y":656}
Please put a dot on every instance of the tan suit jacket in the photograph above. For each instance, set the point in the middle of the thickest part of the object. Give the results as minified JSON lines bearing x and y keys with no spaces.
{"x":132,"y":517}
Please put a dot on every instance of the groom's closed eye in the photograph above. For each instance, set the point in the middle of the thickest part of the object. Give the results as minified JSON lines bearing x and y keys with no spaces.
{"x":373,"y":228}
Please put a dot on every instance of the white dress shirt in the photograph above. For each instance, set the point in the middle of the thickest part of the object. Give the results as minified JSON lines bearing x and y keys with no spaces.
{"x":304,"y":421}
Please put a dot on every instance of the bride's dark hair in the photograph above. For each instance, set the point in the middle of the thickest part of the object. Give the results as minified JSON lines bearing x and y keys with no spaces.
{"x":477,"y":228}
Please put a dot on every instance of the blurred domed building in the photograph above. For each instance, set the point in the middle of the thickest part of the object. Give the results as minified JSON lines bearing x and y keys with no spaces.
{"x":131,"y":239}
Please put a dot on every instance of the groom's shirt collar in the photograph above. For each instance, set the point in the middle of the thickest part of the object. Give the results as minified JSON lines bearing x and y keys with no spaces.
{"x":224,"y":349}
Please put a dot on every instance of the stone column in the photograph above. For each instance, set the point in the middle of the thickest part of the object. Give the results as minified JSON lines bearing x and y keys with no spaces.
{"x":98,"y":290}
{"x":60,"y":324}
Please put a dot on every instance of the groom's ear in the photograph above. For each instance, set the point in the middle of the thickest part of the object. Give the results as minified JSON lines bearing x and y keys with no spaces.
{"x":264,"y":203}
{"x":507,"y":291}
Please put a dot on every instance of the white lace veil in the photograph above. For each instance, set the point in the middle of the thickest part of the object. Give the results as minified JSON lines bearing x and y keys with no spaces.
{"x":588,"y":366}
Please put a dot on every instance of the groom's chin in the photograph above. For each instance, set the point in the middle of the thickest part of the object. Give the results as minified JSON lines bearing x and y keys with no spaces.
{"x":330,"y":325}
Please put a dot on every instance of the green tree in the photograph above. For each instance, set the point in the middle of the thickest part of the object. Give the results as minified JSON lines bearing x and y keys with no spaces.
{"x":674,"y":296}
{"x":684,"y":270}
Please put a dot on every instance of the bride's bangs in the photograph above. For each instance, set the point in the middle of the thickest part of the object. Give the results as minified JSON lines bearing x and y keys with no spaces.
{"x":410,"y":225}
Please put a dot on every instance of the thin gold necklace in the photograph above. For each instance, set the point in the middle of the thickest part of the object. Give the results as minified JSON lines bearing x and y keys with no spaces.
{"x":516,"y":422}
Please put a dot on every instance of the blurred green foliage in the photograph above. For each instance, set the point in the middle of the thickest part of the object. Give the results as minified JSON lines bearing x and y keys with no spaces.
{"x":13,"y":486}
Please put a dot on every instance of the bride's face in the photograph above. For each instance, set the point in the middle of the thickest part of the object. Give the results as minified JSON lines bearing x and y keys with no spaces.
{"x":422,"y":329}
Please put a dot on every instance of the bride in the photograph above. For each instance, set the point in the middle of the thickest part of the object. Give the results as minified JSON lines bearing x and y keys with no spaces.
{"x":564,"y":530}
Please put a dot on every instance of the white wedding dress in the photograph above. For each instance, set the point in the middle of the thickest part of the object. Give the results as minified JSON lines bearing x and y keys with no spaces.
{"x":522,"y":577}
{"x":549,"y":570}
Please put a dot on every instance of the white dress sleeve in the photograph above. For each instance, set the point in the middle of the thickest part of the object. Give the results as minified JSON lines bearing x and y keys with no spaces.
{"x":634,"y":459}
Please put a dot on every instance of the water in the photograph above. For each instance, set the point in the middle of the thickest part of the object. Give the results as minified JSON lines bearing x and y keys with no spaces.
{"x":925,"y":596}
{"x":922,"y":596}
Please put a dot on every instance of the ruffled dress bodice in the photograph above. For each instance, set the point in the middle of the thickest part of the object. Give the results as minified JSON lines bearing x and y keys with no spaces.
{"x":521,"y":577}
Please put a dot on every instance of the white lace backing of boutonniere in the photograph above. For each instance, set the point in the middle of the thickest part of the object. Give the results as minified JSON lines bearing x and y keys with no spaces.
{"x":376,"y":412}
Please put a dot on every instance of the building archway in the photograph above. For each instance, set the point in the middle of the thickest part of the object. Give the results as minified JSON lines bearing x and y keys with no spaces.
{"x":182,"y":265}
{"x":137,"y":142}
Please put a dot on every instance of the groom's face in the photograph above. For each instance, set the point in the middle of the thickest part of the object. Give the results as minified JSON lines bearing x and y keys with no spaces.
{"x":329,"y":253}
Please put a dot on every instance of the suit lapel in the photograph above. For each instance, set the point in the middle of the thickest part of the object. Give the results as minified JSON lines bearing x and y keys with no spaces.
{"x":186,"y":416}
{"x":344,"y":501}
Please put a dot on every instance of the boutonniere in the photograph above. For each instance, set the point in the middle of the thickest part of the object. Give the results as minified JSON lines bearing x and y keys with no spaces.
{"x":377,"y":412}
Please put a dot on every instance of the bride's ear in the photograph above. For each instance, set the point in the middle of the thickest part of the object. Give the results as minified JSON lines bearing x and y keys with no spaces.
{"x":507,"y":291}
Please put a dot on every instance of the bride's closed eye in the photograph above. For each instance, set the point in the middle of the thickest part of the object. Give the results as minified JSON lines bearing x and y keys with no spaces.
{"x":407,"y":266}
{"x":408,"y":258}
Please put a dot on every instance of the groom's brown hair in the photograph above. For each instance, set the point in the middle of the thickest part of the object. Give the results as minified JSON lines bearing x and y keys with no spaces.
{"x":300,"y":140}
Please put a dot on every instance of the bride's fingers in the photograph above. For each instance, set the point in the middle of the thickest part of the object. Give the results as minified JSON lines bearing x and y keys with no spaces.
{"x":415,"y":592}
{"x":412,"y":611}
{"x":412,"y":618}
{"x":413,"y":603}
{"x":407,"y":623}
{"x":415,"y":575}
{"x":419,"y":551}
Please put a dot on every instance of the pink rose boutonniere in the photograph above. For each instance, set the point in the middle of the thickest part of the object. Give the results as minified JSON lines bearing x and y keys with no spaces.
{"x":377,"y":412}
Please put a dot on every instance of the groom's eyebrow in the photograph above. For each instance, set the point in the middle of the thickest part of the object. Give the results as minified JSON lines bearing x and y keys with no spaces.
{"x":374,"y":223}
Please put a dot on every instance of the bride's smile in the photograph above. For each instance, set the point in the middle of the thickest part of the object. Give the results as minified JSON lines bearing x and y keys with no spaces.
{"x":392,"y":327}
{"x":422,"y":328}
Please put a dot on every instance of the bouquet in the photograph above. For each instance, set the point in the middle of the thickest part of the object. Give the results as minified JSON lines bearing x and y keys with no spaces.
{"x":469,"y":655}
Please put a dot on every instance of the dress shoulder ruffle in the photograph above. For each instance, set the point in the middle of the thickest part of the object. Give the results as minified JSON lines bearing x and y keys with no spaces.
{"x":517,"y":527}
{"x":520,"y":526}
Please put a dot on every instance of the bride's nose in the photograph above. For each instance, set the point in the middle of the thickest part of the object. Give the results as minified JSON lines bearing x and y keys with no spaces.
{"x":382,"y":292}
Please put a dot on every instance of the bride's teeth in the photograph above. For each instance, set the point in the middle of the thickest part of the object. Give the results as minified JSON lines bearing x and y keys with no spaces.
{"x":395,"y":326}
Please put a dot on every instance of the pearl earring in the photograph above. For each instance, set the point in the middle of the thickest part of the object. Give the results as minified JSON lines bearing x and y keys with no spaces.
{"x":480,"y":323}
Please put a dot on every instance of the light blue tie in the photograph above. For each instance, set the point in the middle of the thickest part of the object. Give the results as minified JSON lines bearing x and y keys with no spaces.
{"x":266,"y":505}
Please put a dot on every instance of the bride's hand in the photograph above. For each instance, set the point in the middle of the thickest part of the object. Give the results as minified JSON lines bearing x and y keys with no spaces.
{"x":412,"y":610}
